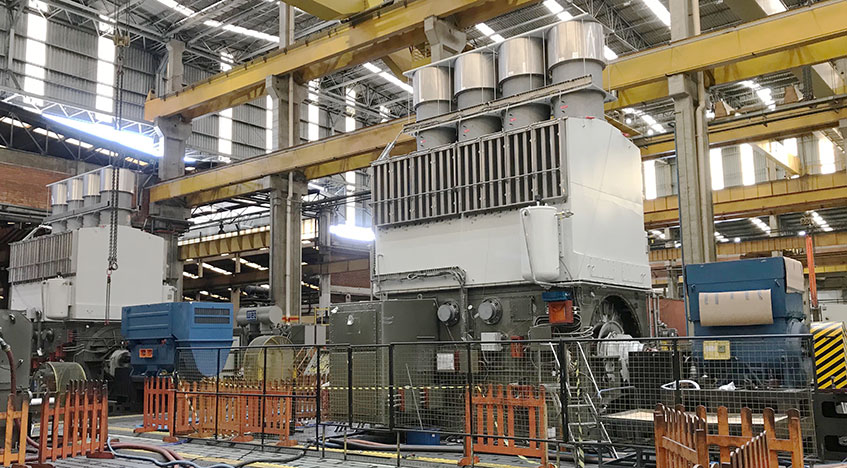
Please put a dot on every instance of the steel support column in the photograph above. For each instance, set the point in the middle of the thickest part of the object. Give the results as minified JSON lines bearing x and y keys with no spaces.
{"x":692,"y":146}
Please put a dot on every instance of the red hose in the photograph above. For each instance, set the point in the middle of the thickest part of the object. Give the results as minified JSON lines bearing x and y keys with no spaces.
{"x":165,"y":452}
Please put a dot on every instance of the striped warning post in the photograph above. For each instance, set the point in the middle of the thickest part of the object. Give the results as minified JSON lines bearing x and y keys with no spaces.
{"x":830,"y":354}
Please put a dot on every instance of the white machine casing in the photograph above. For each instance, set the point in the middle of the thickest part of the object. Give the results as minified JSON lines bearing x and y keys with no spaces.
{"x":79,"y":294}
{"x":594,"y":233}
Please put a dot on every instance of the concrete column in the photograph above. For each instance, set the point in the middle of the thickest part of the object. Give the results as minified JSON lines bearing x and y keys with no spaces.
{"x":286,"y":94}
{"x":325,"y":248}
{"x":169,"y":216}
{"x":235,"y":298}
{"x":697,"y":224}
{"x":286,"y":248}
{"x":175,"y":73}
{"x":444,"y":38}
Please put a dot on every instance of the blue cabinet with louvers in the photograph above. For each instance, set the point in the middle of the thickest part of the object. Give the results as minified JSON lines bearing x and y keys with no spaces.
{"x":154,"y":332}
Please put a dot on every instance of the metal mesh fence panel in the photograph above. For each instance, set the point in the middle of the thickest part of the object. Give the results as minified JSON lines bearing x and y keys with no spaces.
{"x":596,"y":394}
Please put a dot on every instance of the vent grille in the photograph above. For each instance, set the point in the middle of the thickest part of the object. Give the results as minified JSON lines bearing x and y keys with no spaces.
{"x":208,"y":315}
{"x":495,"y":172}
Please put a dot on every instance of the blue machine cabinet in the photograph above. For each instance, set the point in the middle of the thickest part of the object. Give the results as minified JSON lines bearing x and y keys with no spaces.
{"x":155,"y":331}
{"x":778,"y":275}
{"x":740,"y":308}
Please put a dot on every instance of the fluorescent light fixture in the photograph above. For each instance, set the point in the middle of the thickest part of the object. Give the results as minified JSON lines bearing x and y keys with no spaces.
{"x":801,"y":233}
{"x":252,"y":265}
{"x":486,"y":29}
{"x":764,"y":94}
{"x":216,"y":269}
{"x":185,"y":11}
{"x":818,"y":219}
{"x":659,"y":10}
{"x":657,"y":233}
{"x":737,"y":240}
{"x":352,"y":232}
{"x":388,"y":77}
{"x":557,"y":10}
{"x":720,"y":237}
{"x":761,"y":225}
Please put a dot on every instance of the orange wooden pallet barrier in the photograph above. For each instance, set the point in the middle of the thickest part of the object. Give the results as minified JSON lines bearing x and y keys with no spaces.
{"x":234,"y":409}
{"x":753,"y":454}
{"x":675,"y":442}
{"x":494,"y":412}
{"x":76,"y":424}
{"x":14,"y":451}
{"x":158,"y":404}
{"x":680,"y":439}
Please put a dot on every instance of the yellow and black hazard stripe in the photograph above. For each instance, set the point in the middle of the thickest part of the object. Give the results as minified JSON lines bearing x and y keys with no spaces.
{"x":830,"y":340}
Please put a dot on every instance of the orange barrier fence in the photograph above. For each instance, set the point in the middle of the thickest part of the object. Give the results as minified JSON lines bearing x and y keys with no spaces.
{"x":236,"y":410}
{"x":76,"y":424}
{"x":678,"y":436}
{"x":494,"y":412}
{"x":680,"y":439}
{"x":14,"y":448}
{"x":753,"y":454}
{"x":158,"y":404}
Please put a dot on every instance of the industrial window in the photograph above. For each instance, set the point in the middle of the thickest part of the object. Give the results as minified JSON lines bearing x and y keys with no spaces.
{"x":104,"y":101}
{"x":225,"y":116}
{"x":313,"y":112}
{"x":716,"y":168}
{"x":36,"y":52}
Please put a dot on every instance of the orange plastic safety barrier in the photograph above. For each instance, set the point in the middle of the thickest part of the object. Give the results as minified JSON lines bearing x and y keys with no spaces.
{"x":494,"y":412}
{"x":14,"y":451}
{"x":158,"y":404}
{"x":76,"y":424}
{"x":234,"y":410}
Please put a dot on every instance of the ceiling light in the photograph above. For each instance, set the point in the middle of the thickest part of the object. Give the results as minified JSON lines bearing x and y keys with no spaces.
{"x":659,"y":10}
{"x":387,"y":77}
{"x":609,"y":54}
{"x":801,"y":233}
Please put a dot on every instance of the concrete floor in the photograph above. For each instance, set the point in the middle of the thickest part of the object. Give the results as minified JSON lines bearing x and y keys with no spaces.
{"x":207,"y":453}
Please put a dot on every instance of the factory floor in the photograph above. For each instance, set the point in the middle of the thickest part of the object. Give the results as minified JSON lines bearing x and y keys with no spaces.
{"x":207,"y":453}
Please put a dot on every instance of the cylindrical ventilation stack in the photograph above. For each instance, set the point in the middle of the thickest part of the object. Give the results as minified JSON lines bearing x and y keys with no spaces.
{"x":475,"y":82}
{"x":91,"y":197}
{"x":74,"y":202}
{"x":575,"y":49}
{"x":432,"y":96}
{"x":521,"y":68}
{"x":125,"y":191}
{"x":58,"y":204}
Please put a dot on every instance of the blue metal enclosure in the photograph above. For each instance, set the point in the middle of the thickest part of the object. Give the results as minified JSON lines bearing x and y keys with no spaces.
{"x":155,"y":331}
{"x":750,"y":275}
{"x":731,"y":298}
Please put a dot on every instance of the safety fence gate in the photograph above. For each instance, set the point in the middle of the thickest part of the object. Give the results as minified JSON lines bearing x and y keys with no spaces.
{"x":75,"y":423}
{"x":489,"y":401}
{"x":683,"y":440}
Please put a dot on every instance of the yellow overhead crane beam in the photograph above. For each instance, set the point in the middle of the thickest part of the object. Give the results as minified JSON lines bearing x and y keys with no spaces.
{"x":334,"y":9}
{"x":774,"y":197}
{"x":387,"y":31}
{"x":831,"y":242}
{"x":804,"y":36}
{"x":785,"y":122}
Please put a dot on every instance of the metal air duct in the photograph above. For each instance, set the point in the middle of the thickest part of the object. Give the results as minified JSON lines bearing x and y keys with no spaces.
{"x":432,"y":96}
{"x":58,"y":204}
{"x":125,"y":191}
{"x":91,"y":197}
{"x":520,"y":64}
{"x":475,"y":82}
{"x":75,"y":201}
{"x":575,"y":49}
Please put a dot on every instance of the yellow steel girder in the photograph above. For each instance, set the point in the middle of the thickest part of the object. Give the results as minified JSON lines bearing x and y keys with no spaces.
{"x":774,"y":197}
{"x":830,"y":240}
{"x":394,"y":28}
{"x":368,"y":141}
{"x":776,"y":33}
{"x":333,"y":9}
{"x":773,"y":125}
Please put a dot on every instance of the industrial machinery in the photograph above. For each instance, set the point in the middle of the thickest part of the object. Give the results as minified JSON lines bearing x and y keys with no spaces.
{"x":519,"y":216}
{"x":153,"y":332}
{"x":15,"y":331}
{"x":60,"y":279}
{"x":764,"y":296}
